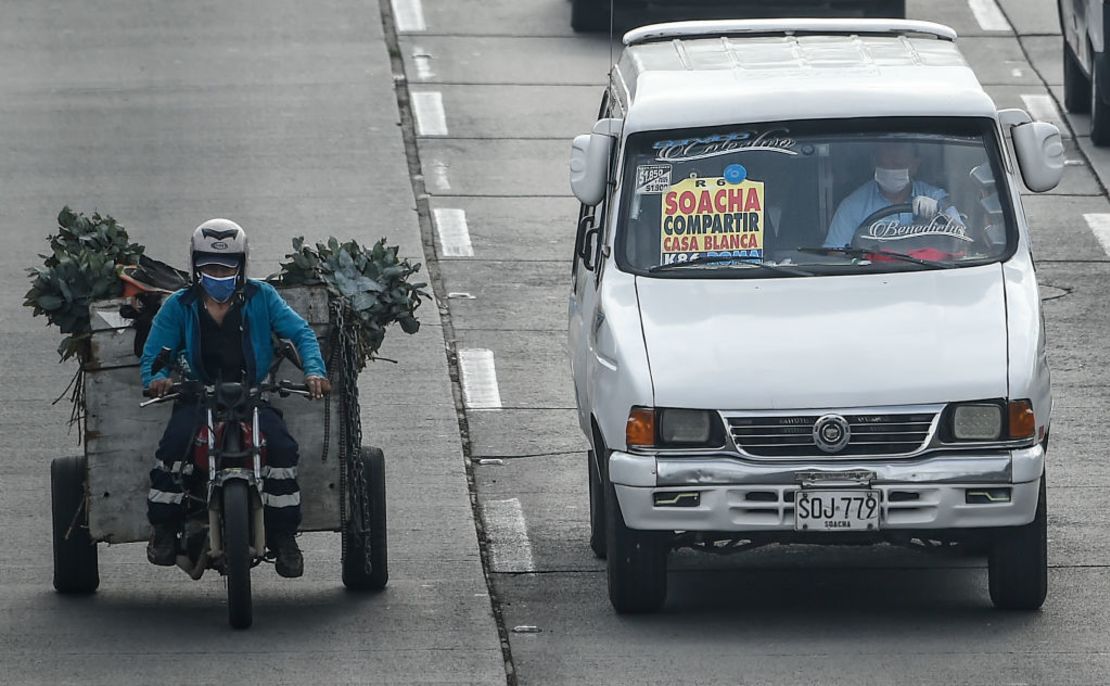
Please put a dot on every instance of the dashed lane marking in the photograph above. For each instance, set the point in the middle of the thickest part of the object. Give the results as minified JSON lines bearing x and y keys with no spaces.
{"x":1100,"y":227}
{"x":409,"y":16}
{"x":439,"y":176}
{"x":510,"y":549}
{"x":989,"y":16}
{"x":423,"y":63}
{"x":431,"y":120}
{"x":479,"y":379}
{"x":454,"y":236}
{"x":1042,"y":108}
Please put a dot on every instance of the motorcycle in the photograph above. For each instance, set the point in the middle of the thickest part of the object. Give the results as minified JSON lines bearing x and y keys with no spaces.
{"x":224,"y":527}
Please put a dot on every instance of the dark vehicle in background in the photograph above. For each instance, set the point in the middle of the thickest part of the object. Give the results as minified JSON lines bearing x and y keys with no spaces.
{"x":593,"y":15}
{"x":1086,"y":72}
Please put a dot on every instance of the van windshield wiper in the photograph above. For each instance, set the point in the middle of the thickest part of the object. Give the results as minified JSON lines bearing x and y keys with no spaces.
{"x":730,"y":262}
{"x":861,"y":252}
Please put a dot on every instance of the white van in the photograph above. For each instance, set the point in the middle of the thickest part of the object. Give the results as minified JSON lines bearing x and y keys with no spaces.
{"x":804,"y":307}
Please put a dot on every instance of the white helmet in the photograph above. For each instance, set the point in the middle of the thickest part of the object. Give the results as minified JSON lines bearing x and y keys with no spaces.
{"x":219,"y":241}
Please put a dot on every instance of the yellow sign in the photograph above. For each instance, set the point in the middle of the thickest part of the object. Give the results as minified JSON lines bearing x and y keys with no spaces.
{"x":712,"y":217}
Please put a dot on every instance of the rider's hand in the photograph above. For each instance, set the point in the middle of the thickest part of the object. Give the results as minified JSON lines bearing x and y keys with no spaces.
{"x":160,"y":387}
{"x":925,"y":207}
{"x":318,"y":386}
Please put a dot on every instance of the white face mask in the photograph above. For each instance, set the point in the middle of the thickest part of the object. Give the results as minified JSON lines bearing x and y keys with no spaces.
{"x":892,"y":180}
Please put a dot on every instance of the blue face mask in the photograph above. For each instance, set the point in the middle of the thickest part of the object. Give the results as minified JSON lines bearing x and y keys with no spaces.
{"x":219,"y":289}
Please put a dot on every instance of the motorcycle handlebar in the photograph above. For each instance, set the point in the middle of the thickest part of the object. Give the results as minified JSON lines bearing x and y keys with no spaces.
{"x":283,"y":389}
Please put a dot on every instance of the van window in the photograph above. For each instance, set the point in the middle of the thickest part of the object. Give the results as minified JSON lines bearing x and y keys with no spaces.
{"x":824,"y":197}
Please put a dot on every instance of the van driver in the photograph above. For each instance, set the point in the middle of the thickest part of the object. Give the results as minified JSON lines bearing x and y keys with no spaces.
{"x":894,"y":183}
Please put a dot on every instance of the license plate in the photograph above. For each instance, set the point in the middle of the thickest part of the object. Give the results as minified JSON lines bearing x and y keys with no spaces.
{"x":821,"y":510}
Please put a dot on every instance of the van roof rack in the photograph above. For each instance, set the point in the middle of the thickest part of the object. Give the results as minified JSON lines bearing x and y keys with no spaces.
{"x":755,"y":27}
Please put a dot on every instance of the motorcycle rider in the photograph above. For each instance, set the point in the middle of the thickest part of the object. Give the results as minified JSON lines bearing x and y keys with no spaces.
{"x":223,"y":325}
{"x":896,"y":165}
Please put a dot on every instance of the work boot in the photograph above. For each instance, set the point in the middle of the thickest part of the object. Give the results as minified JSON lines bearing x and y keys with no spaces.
{"x":162,"y":548}
{"x":289,"y":562}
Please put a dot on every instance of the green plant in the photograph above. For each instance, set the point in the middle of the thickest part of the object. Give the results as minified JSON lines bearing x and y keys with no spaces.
{"x":80,"y":268}
{"x":371,"y":284}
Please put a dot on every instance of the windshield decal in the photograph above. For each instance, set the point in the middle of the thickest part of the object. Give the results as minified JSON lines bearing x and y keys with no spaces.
{"x":711,"y":217}
{"x":772,"y":140}
{"x":892,"y":230}
{"x":653,"y":179}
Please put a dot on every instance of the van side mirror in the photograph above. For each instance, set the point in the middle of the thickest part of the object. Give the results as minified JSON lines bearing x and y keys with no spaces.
{"x":589,"y":161}
{"x":1040,"y":154}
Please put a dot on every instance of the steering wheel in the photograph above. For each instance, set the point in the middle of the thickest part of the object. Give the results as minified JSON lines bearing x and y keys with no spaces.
{"x":900,"y":208}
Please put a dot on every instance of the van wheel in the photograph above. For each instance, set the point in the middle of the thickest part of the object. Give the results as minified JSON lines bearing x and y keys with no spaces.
{"x":1018,"y":563}
{"x":589,"y":15}
{"x":597,"y":508}
{"x":637,"y":568}
{"x":1100,"y":111}
{"x":1077,"y":89}
{"x":75,"y":559}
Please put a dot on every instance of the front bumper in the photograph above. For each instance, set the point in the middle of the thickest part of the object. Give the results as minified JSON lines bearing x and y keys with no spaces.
{"x":748,"y":496}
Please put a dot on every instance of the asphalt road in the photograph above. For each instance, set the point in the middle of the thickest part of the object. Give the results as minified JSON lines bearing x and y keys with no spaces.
{"x":514,"y":84}
{"x":324,"y":118}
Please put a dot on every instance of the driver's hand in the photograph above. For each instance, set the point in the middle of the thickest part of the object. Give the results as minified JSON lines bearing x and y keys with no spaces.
{"x":318,"y":386}
{"x":925,"y":207}
{"x":160,"y":387}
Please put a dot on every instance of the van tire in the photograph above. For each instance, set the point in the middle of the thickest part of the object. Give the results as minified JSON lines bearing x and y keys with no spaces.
{"x":597,"y":508}
{"x":589,"y":15}
{"x":1077,"y":87}
{"x":637,"y":562}
{"x":1018,"y":562}
{"x":1100,"y":111}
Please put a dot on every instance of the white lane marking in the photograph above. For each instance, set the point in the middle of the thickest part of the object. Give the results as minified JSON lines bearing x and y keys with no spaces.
{"x":431,"y":120}
{"x":439,"y":175}
{"x":479,"y":379}
{"x":989,"y":16}
{"x":423,"y":63}
{"x":454,"y":236}
{"x":409,"y":15}
{"x":1100,"y":227}
{"x":1016,"y":73}
{"x":510,"y":550}
{"x":1042,"y":108}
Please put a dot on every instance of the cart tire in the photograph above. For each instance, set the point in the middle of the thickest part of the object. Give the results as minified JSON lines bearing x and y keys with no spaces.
{"x":597,"y":508}
{"x":75,"y":561}
{"x":237,"y":552}
{"x":637,"y":562}
{"x":1018,"y":563}
{"x":355,"y":575}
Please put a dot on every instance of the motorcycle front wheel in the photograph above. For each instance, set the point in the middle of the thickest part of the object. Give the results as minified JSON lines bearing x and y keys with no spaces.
{"x":237,"y":552}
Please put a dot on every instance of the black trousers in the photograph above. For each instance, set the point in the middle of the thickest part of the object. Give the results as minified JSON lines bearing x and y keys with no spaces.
{"x":281,"y":496}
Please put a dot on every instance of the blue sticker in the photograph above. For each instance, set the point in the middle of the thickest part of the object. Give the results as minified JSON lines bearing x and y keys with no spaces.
{"x":735,"y":173}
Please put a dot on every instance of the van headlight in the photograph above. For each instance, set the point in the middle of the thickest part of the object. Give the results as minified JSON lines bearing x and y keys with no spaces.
{"x":977,"y":422}
{"x":674,"y":428}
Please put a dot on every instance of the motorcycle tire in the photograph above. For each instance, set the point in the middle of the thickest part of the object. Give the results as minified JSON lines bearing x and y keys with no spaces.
{"x":370,"y":546}
{"x":237,"y":552}
{"x":75,"y":559}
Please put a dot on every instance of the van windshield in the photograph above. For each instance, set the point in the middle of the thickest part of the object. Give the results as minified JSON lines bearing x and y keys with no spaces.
{"x":814,"y":198}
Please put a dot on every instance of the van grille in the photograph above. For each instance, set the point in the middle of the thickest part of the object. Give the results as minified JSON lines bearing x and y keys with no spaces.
{"x":792,"y":436}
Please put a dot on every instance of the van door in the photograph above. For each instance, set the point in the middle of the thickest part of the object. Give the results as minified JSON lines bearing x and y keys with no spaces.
{"x":582,"y":302}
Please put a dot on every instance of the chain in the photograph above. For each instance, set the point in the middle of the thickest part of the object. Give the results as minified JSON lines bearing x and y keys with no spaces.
{"x":352,"y":478}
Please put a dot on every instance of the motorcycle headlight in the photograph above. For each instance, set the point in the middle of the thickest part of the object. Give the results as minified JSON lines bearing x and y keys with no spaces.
{"x":977,"y":422}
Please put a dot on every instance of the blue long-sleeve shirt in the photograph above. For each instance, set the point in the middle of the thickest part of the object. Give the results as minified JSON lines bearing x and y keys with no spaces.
{"x":869,"y":198}
{"x":265,"y":312}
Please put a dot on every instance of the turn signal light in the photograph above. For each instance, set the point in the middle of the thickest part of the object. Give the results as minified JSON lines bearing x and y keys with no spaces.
{"x":1022,"y":422}
{"x":640,"y":430}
